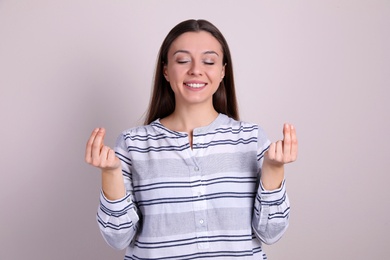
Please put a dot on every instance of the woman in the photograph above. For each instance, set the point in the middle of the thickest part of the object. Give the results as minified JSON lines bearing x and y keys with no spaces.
{"x":193,"y":182}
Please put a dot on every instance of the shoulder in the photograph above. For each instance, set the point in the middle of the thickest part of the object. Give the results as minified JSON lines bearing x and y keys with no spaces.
{"x":245,"y":127}
{"x":140,"y":130}
{"x":153,"y":130}
{"x":238,"y":124}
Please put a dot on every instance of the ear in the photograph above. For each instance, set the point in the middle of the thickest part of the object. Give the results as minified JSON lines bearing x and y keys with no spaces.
{"x":165,"y":72}
{"x":223,"y":72}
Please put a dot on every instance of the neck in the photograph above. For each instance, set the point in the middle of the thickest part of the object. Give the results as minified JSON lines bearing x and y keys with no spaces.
{"x":186,"y":119}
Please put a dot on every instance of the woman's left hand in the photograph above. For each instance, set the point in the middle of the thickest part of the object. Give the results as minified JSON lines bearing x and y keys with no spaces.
{"x":283,"y":151}
{"x":279,"y":153}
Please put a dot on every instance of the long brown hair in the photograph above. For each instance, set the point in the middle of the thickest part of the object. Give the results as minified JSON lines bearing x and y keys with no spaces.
{"x":162,"y":101}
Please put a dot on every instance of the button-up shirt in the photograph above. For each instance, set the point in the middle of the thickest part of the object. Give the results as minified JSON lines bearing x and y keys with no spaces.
{"x":199,"y":202}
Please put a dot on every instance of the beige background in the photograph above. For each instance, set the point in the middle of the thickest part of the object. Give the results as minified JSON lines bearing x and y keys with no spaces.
{"x":69,"y":66}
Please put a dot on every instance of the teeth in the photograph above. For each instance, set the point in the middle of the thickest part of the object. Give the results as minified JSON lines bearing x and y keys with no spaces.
{"x":195,"y":85}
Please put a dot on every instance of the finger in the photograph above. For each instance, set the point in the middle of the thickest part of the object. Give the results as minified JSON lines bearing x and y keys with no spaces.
{"x":111,"y":155}
{"x":279,"y":151}
{"x":88,"y":148}
{"x":286,"y":141}
{"x":103,"y":162}
{"x":294,"y":143}
{"x":113,"y":159}
{"x":271,"y":151}
{"x":97,"y":145}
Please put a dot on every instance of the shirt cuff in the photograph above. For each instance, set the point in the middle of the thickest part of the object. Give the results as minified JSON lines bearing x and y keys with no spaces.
{"x":274,"y":195}
{"x":118,"y":205}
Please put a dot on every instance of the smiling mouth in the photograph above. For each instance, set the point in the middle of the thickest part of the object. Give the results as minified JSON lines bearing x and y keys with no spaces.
{"x":195,"y":85}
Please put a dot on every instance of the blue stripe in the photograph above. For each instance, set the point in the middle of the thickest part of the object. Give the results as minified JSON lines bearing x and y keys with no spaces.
{"x":283,"y":214}
{"x":157,"y":149}
{"x":226,"y":142}
{"x":230,"y":130}
{"x":172,"y":200}
{"x":192,"y":184}
{"x":194,"y":240}
{"x":123,"y":158}
{"x":117,"y":213}
{"x":110,"y":225}
{"x":261,"y":154}
{"x":271,"y":203}
{"x":126,"y":174}
{"x":144,"y":137}
{"x":160,"y":126}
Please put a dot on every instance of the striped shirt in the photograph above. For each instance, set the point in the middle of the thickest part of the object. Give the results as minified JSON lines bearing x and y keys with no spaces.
{"x":199,"y":202}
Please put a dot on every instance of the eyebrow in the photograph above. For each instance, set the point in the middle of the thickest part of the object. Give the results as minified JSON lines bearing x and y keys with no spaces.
{"x":187,"y":52}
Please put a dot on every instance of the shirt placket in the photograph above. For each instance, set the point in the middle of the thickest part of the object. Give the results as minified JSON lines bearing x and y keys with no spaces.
{"x":199,"y":195}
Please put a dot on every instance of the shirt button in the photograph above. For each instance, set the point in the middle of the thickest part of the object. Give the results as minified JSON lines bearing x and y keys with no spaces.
{"x":201,"y":221}
{"x":196,"y":168}
{"x":199,"y":194}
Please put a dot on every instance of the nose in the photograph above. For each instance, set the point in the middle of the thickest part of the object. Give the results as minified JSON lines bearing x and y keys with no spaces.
{"x":195,"y":69}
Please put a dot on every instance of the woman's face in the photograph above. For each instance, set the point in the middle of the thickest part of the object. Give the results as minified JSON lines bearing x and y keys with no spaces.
{"x":195,"y":68}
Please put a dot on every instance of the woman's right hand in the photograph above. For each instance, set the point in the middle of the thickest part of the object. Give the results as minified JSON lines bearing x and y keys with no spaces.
{"x":99,"y":155}
{"x":103,"y":157}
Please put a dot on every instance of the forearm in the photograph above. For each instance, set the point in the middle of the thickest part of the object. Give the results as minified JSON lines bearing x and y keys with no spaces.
{"x":272,"y":176}
{"x":113,"y":184}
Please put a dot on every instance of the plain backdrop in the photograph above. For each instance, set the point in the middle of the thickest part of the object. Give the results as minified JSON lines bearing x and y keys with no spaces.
{"x":67,"y":66}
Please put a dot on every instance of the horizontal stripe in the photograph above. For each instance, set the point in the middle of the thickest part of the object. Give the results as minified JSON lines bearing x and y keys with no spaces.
{"x":164,"y":129}
{"x":148,"y":149}
{"x":230,"y":130}
{"x":123,"y":158}
{"x":194,"y":199}
{"x":169,"y":185}
{"x":262,"y":152}
{"x":194,"y":240}
{"x":283,"y":214}
{"x":276,"y":202}
{"x":121,"y":226}
{"x":144,"y":137}
{"x":225,"y":142}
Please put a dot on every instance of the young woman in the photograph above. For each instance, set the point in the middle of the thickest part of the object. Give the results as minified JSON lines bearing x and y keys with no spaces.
{"x":193,"y":182}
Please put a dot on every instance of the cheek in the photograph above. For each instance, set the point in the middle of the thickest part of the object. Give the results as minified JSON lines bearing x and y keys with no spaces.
{"x":217,"y":75}
{"x":175,"y":74}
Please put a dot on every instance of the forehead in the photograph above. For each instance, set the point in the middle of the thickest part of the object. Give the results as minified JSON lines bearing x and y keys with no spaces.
{"x":196,"y":42}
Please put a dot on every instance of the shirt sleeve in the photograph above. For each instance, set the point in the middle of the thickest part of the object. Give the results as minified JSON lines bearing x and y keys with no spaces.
{"x":119,"y":220}
{"x":272,"y":208}
{"x":271,"y":214}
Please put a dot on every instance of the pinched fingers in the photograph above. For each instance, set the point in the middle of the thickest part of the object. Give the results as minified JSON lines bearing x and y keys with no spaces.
{"x":274,"y":152}
{"x":108,"y":160}
{"x":284,"y":151}
{"x":99,"y":155}
{"x":290,"y":143}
